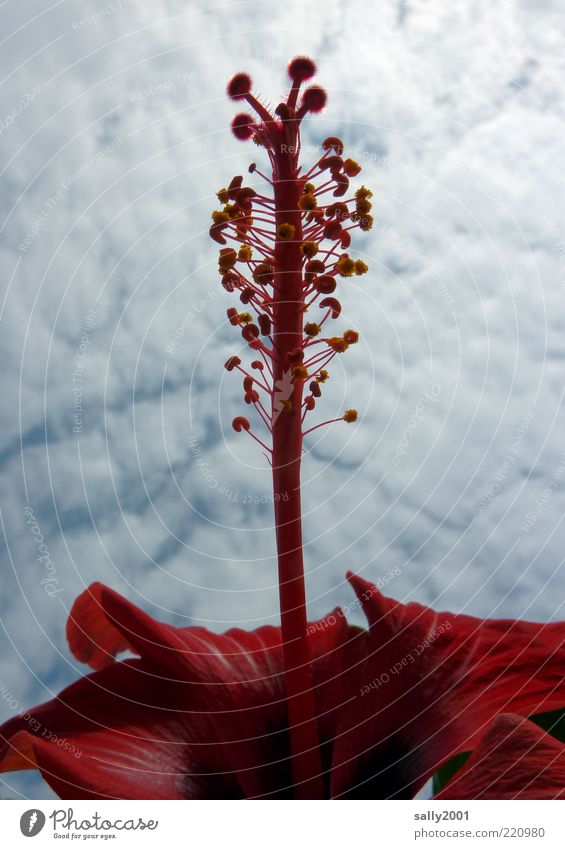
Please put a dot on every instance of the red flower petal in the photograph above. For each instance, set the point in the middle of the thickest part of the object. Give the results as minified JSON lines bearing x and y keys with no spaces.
{"x":201,"y":715}
{"x":514,"y":760}
{"x":129,"y":734}
{"x":92,"y":637}
{"x":424,"y":685}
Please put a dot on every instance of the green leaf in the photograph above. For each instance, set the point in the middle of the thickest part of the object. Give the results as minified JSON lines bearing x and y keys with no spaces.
{"x":553,"y":722}
{"x":446,"y":772}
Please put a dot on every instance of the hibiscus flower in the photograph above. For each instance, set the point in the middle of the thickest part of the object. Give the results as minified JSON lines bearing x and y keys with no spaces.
{"x":307,"y":710}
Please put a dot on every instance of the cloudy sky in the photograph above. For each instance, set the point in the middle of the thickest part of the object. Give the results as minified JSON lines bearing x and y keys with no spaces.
{"x":118,"y":462}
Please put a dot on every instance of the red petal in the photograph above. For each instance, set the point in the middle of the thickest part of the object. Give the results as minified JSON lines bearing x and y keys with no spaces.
{"x":424,"y":685}
{"x":127,"y":734}
{"x":92,"y":638}
{"x":201,"y":715}
{"x":103,"y":623}
{"x":514,"y":760}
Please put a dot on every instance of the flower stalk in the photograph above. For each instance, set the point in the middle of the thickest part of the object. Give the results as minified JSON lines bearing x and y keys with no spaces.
{"x":288,"y":312}
{"x":287,"y":251}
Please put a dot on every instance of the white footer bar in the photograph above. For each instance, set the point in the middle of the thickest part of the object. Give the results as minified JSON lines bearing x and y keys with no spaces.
{"x":284,"y":825}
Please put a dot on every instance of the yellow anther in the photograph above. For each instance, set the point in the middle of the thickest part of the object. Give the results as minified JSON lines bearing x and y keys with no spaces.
{"x":363,"y":206}
{"x":286,"y":232}
{"x":307,"y":202}
{"x":309,"y":248}
{"x":351,"y":168}
{"x":315,"y":215}
{"x":323,"y":376}
{"x":338,"y":344}
{"x":222,"y":195}
{"x":245,"y":318}
{"x":350,"y":416}
{"x":219,"y":216}
{"x":351,"y":337}
{"x":363,"y":193}
{"x":312,"y":329}
{"x":309,"y":188}
{"x":299,"y":372}
{"x":345,"y":266}
{"x":366,"y":222}
{"x":232,"y":211}
{"x":263,"y":273}
{"x":361,"y":267}
{"x":245,"y":253}
{"x":227,"y":259}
